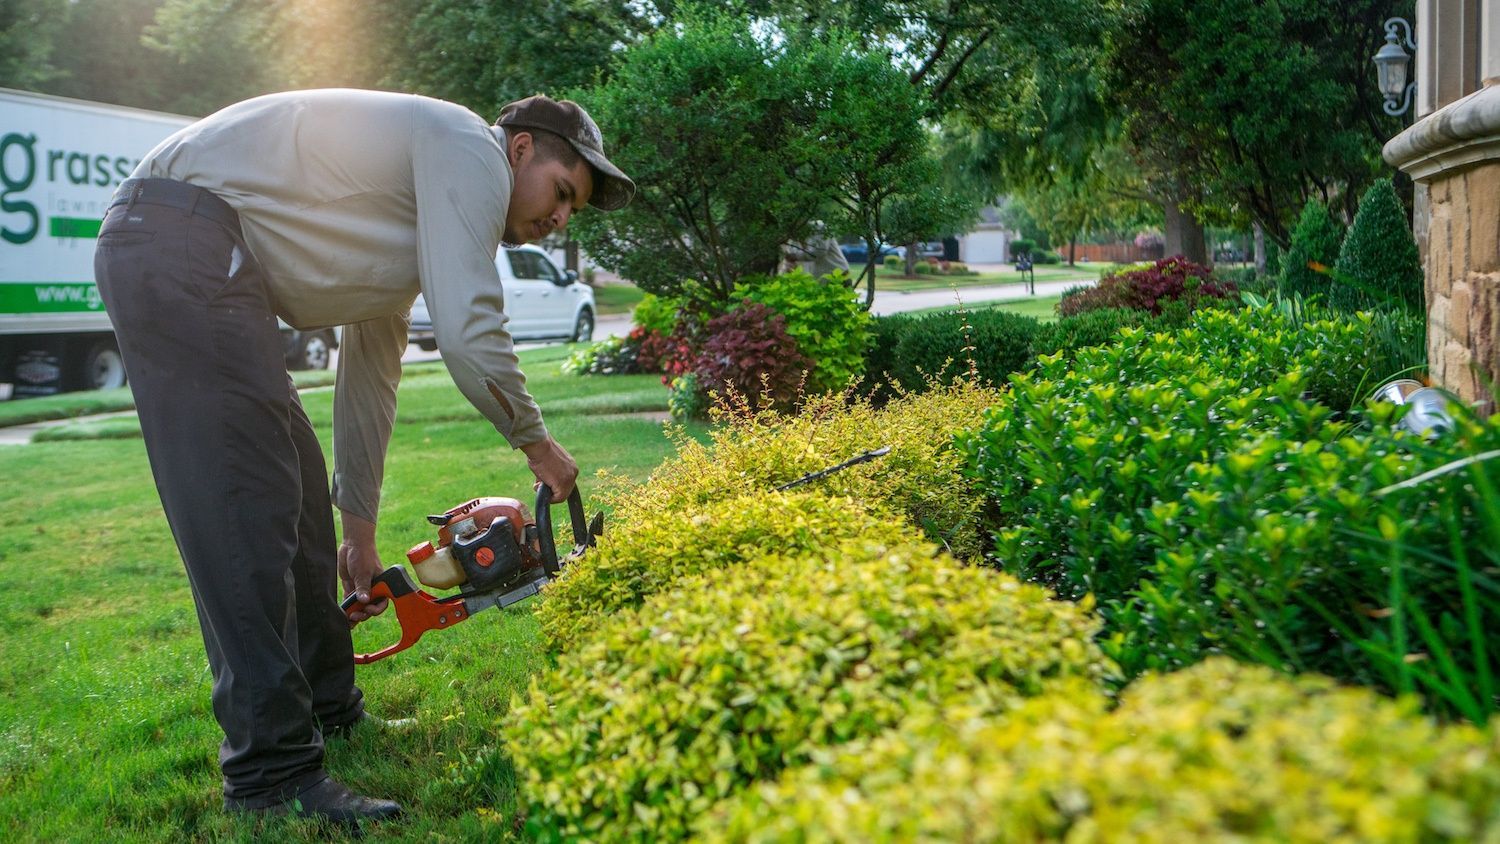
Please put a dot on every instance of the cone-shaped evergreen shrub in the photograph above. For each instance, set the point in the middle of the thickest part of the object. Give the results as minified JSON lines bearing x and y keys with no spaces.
{"x":1379,"y":265}
{"x":1315,"y":240}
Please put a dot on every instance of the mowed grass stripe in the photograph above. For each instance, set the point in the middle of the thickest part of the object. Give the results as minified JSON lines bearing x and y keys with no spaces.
{"x":105,"y":727}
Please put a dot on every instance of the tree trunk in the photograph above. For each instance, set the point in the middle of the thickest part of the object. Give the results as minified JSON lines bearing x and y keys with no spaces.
{"x":911,"y":259}
{"x":1072,"y":252}
{"x":570,"y":255}
{"x":1184,"y":235}
{"x":872,"y":266}
{"x":1260,"y":249}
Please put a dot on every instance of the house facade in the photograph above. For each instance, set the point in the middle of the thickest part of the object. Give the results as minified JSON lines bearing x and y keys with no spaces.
{"x":1452,"y":153}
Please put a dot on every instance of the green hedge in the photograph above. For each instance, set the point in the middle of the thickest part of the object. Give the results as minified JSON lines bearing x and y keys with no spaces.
{"x":1220,"y":752}
{"x":1315,"y":240}
{"x":643,"y":557}
{"x":1072,"y":460}
{"x":912,"y":353}
{"x":1091,"y":328}
{"x":988,"y":345}
{"x":744,"y":672}
{"x":922,"y":478}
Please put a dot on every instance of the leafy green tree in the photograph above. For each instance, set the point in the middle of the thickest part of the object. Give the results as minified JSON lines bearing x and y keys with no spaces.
{"x":1108,"y":196}
{"x":863,"y":107}
{"x":1254,"y":109}
{"x":713,"y":125}
{"x":927,"y":214}
{"x":28,"y":40}
{"x":1379,"y":264}
{"x":1315,"y":243}
{"x":768,"y":130}
{"x":487,"y":54}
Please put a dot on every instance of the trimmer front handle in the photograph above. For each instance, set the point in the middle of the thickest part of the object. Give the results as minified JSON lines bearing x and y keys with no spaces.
{"x":584,"y":534}
{"x":416,"y":610}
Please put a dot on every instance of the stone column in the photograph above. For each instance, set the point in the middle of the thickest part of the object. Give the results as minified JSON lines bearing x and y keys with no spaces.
{"x":1454,"y":156}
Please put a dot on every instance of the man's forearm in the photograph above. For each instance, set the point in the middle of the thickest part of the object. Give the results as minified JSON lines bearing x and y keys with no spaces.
{"x":357,"y":531}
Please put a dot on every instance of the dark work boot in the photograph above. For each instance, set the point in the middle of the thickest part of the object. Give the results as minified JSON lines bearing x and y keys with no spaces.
{"x":331,"y":800}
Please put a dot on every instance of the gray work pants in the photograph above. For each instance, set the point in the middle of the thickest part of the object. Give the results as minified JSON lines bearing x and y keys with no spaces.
{"x":241,"y":477}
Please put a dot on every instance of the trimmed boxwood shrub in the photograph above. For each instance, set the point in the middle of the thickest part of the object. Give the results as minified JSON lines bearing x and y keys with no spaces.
{"x":1378,"y":264}
{"x":988,"y":345}
{"x":1074,"y":458}
{"x":641,"y":558}
{"x":1344,"y":356}
{"x":923,"y":477}
{"x":744,"y":672}
{"x":1220,"y":752}
{"x":1071,"y":459}
{"x":1315,"y":240}
{"x":880,"y":355}
{"x":826,"y":319}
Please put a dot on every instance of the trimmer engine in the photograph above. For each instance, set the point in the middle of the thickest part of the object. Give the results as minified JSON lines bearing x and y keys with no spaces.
{"x":492,"y":548}
{"x":484,"y":545}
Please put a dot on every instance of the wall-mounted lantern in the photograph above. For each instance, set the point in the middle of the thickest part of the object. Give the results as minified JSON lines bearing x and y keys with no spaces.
{"x":1391,"y":64}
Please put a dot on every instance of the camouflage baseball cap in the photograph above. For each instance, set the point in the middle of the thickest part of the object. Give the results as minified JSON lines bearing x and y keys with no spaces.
{"x":568,"y":119}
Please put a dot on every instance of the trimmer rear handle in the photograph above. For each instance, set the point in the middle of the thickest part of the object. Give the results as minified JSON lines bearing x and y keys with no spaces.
{"x":583,"y":534}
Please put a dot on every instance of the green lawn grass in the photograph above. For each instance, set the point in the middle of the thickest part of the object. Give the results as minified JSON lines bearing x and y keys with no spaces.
{"x":105,"y":728}
{"x":617,"y":298}
{"x":1043,"y":308}
{"x":892,"y":280}
{"x":91,"y":402}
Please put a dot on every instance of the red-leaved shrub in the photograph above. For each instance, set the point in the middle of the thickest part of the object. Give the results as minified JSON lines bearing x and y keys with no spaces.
{"x":747,"y":350}
{"x":1148,"y":289}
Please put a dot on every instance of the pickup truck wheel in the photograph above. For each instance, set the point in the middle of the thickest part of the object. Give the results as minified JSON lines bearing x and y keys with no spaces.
{"x":102,"y":368}
{"x":583,"y":330}
{"x":313,"y":351}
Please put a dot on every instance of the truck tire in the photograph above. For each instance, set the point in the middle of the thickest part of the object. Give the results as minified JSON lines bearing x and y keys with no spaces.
{"x":312,"y":350}
{"x":583,"y":329}
{"x":99,"y":367}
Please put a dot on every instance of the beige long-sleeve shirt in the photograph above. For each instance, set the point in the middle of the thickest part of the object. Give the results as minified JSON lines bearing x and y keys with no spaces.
{"x":352,"y":202}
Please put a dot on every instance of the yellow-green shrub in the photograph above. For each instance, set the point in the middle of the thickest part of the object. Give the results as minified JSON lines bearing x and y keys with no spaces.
{"x":922,"y":478}
{"x":638,"y":558}
{"x":742,"y":672}
{"x":1218,"y":752}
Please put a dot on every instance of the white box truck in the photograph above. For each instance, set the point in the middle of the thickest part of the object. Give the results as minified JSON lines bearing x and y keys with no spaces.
{"x":60,"y":162}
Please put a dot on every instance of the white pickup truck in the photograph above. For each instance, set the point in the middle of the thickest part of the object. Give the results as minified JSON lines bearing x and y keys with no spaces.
{"x":60,"y":162}
{"x":541,"y":301}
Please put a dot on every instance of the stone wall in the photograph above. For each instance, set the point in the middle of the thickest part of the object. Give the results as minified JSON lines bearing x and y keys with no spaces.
{"x":1454,"y":157}
{"x":1463,"y":281}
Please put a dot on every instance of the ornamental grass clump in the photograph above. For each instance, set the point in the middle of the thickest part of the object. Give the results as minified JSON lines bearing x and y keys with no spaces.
{"x":637,"y":559}
{"x":1219,"y":752}
{"x":736,"y":675}
{"x":922,"y":477}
